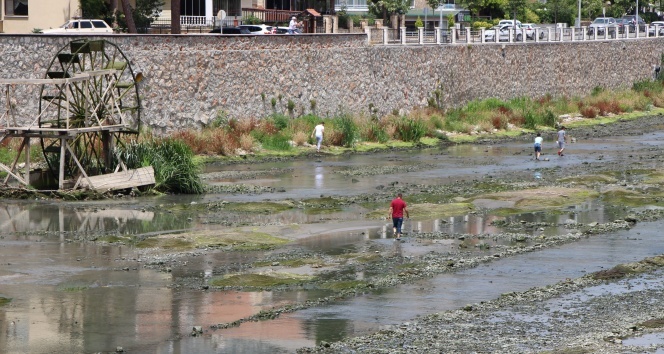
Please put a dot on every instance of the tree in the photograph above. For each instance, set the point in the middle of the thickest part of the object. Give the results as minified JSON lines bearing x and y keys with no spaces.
{"x":126,"y":9}
{"x":146,"y":12}
{"x":175,"y":17}
{"x":387,"y":8}
{"x":516,"y":7}
{"x":93,"y":8}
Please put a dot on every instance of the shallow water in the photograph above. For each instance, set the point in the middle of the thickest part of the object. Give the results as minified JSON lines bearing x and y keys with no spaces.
{"x":87,"y":297}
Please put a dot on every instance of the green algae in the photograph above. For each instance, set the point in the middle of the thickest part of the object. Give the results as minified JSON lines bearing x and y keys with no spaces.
{"x":259,"y":207}
{"x":260,"y":280}
{"x":234,"y":240}
{"x":589,"y":180}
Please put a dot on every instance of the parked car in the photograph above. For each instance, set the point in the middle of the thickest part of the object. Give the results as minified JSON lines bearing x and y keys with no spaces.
{"x":257,"y":29}
{"x":509,"y":22}
{"x":660,"y":28}
{"x":529,"y":28}
{"x":631,"y":20}
{"x":622,"y":24}
{"x":230,"y":30}
{"x":81,"y":26}
{"x":602,"y":25}
{"x":504,"y":33}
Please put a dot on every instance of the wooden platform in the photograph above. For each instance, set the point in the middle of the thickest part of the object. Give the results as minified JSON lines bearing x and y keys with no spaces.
{"x":119,"y":180}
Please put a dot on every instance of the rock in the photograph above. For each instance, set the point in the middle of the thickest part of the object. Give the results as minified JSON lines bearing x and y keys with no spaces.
{"x":119,"y":349}
{"x":274,"y":264}
{"x":631,"y":219}
{"x":196,"y":331}
{"x":593,"y":224}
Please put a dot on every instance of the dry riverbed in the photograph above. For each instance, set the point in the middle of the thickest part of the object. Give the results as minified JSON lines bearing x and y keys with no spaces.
{"x":514,"y":323}
{"x":593,"y":313}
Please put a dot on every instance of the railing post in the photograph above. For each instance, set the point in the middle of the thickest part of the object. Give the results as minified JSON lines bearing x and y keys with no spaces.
{"x":453,"y":35}
{"x":467,"y":35}
{"x":536,"y":34}
{"x":583,"y":33}
{"x":437,"y":34}
{"x":482,"y":34}
{"x":548,"y":36}
{"x":403,"y":35}
{"x":420,"y":35}
{"x":656,"y":31}
{"x":510,"y":34}
{"x":523,"y":35}
{"x":626,"y":31}
{"x":386,"y":35}
{"x":636,"y":30}
{"x":367,"y":30}
{"x":572,"y":35}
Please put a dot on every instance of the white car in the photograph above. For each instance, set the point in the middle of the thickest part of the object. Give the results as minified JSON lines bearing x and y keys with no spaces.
{"x":257,"y":29}
{"x":660,"y":28}
{"x":504,"y":33}
{"x":530,"y":30}
{"x":81,"y":26}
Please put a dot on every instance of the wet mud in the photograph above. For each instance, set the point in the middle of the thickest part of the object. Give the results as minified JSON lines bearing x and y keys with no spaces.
{"x":297,"y":254}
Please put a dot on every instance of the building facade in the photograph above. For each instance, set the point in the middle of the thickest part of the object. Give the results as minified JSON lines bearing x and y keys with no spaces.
{"x":24,"y":16}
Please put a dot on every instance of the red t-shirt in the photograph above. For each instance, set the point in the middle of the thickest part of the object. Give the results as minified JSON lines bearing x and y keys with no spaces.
{"x":398,"y":205}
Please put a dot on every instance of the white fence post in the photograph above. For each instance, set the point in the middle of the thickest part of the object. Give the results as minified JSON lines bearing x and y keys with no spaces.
{"x":420,"y":35}
{"x":482,"y":34}
{"x":548,"y":37}
{"x":453,"y":35}
{"x":583,"y":33}
{"x":386,"y":35}
{"x":572,"y":34}
{"x":467,"y":35}
{"x":367,"y":30}
{"x":436,"y":35}
{"x":403,"y":35}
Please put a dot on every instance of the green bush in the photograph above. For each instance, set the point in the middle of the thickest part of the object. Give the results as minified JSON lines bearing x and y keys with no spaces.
{"x":647,"y":85}
{"x":530,"y":120}
{"x":277,"y":142}
{"x":174,"y":168}
{"x":549,"y":118}
{"x":349,"y":131}
{"x":411,"y":129}
{"x":280,"y":121}
{"x":252,"y":20}
{"x":479,"y":24}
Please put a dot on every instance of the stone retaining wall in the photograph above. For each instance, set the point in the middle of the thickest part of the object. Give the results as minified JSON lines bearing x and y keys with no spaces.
{"x":190,"y":78}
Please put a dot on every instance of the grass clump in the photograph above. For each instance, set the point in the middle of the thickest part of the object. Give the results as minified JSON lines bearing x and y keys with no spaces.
{"x":4,"y":301}
{"x":173,"y":162}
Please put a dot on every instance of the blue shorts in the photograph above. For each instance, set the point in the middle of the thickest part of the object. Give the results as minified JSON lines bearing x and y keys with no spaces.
{"x":538,"y":148}
{"x":397,"y":222}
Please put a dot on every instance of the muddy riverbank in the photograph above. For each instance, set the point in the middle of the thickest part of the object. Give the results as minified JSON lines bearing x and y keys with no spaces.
{"x":276,"y":238}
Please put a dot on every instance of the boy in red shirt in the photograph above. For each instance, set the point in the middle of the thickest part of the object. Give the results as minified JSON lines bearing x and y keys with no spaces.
{"x":397,"y":209}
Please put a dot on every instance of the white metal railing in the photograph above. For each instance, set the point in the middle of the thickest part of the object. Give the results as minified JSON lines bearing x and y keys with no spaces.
{"x":387,"y":36}
{"x":196,"y":21}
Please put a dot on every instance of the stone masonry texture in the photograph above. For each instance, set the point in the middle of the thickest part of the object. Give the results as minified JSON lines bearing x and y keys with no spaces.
{"x":189,"y":79}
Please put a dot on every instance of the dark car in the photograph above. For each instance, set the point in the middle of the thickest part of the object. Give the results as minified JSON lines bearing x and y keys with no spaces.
{"x":631,"y":20}
{"x":230,"y":30}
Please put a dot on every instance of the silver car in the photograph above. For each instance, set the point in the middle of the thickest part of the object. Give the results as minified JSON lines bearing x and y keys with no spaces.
{"x":602,"y":25}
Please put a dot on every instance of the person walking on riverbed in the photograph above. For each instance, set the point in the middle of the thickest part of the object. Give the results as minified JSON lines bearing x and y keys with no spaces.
{"x":538,"y":146}
{"x":318,"y":133}
{"x":397,"y":210}
{"x":562,"y":139}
